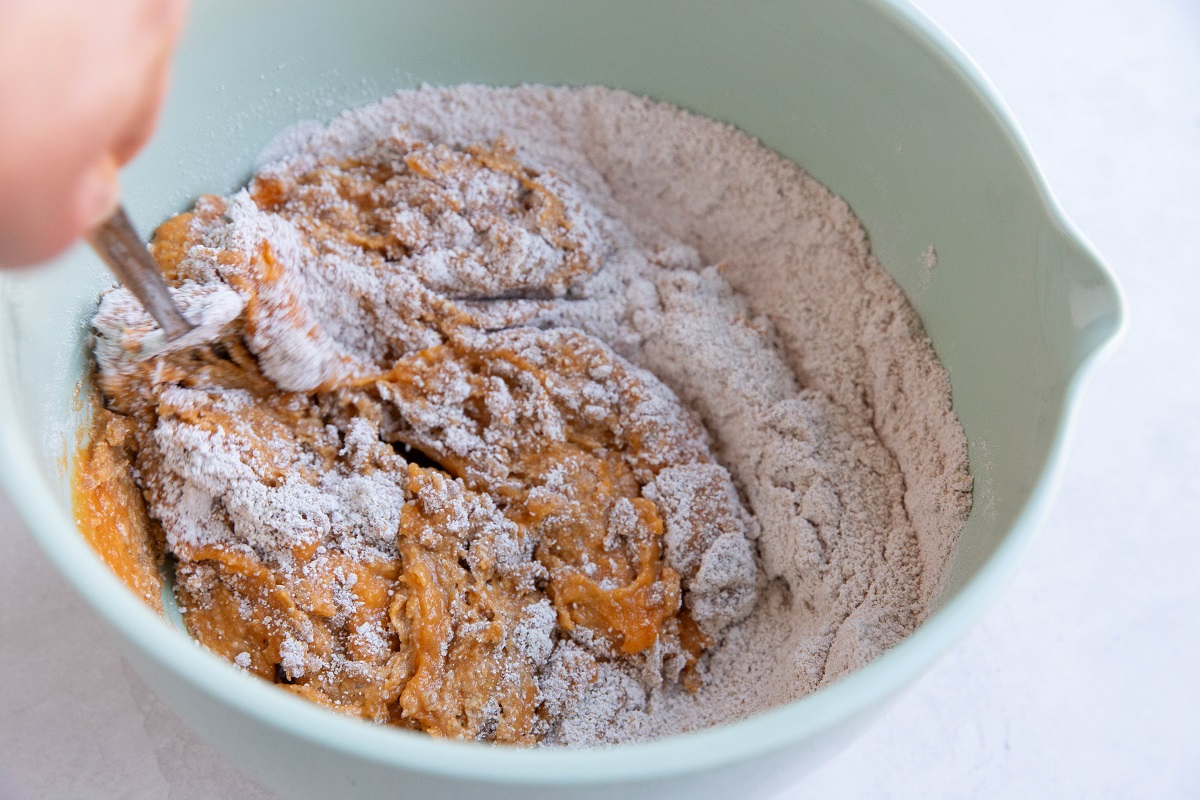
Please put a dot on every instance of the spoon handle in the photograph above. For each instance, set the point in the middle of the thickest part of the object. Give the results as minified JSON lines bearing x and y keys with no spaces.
{"x":118,"y":243}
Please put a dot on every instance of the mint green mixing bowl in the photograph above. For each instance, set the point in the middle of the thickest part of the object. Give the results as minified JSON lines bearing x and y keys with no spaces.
{"x":868,"y":96}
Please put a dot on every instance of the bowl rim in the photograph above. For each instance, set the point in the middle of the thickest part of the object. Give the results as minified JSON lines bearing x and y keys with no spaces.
{"x":699,"y":751}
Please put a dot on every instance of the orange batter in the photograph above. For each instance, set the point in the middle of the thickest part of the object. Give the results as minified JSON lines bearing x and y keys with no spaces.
{"x":108,"y":506}
{"x":521,"y":457}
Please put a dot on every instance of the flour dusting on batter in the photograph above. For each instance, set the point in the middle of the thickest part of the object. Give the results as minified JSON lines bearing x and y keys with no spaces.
{"x":552,"y":415}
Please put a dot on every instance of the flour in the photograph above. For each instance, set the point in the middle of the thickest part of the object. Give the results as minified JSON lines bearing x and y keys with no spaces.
{"x":715,"y":265}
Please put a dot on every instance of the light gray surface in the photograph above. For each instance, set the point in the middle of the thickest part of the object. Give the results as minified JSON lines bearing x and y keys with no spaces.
{"x":1084,"y":681}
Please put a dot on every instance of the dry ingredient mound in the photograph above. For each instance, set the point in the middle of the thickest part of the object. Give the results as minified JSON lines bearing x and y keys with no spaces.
{"x":551,"y":415}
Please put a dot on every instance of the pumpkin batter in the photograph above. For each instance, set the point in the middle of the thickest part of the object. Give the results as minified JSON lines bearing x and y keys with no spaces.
{"x":410,"y":505}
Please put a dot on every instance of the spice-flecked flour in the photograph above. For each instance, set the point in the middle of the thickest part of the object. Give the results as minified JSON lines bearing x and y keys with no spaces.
{"x":750,"y":291}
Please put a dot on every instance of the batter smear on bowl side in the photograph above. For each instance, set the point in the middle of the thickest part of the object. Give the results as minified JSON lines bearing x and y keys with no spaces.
{"x":496,"y":449}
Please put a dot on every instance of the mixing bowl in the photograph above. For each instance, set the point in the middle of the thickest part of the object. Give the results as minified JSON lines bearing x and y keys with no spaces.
{"x":867,"y":95}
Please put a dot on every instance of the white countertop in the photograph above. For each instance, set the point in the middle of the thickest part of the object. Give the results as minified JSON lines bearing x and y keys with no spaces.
{"x":1082,"y":682}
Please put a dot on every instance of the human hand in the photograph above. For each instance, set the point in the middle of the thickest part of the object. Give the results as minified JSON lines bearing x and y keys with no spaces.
{"x":81,"y":85}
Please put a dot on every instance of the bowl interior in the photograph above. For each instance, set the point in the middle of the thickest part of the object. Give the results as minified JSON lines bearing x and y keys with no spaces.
{"x":866,"y":96}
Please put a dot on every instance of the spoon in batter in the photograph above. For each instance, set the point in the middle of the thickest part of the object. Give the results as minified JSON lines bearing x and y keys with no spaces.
{"x":118,"y":243}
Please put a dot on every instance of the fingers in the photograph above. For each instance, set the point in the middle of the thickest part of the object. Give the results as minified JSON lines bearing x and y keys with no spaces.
{"x":162,"y":24}
{"x":143,"y":118}
{"x":81,"y":84}
{"x":97,"y":195}
{"x":44,"y":210}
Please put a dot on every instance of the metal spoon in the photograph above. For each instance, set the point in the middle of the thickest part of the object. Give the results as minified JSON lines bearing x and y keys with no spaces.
{"x":118,"y":243}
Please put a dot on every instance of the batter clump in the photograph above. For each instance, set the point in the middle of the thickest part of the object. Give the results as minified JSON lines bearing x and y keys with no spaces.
{"x":387,"y":485}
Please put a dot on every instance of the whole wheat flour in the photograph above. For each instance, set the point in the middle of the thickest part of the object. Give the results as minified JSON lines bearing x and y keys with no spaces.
{"x":650,"y":268}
